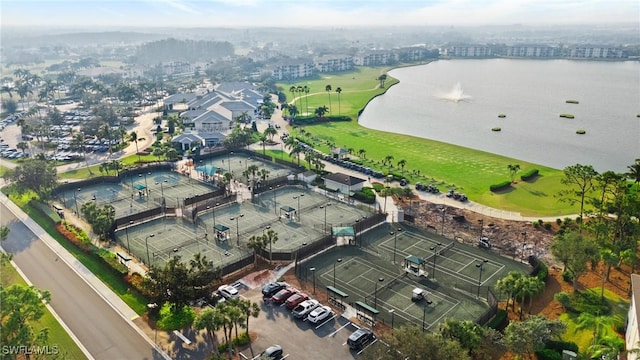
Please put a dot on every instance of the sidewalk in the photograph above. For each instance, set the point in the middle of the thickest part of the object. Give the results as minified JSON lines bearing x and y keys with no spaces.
{"x":98,"y":286}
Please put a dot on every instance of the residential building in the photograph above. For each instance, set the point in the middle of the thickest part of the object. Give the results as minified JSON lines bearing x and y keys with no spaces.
{"x":632,"y":335}
{"x":333,"y":63}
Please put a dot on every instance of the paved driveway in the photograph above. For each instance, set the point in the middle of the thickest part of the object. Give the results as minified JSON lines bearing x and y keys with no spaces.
{"x":299,"y":339}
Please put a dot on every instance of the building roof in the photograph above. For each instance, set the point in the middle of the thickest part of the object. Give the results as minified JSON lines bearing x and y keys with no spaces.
{"x":192,"y":114}
{"x":187,"y":138}
{"x":211,"y":116}
{"x":238,"y":105}
{"x":344,"y":179}
{"x":229,"y":87}
{"x":179,"y":98}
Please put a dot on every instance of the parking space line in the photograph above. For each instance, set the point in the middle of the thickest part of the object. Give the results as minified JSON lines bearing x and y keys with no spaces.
{"x":342,"y":327}
{"x":243,"y":356}
{"x":326,"y":321}
{"x":365,"y":348}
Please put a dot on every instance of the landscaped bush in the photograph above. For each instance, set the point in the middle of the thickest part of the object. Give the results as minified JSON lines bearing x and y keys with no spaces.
{"x":377,"y":187}
{"x":548,"y":354}
{"x":501,"y":186}
{"x":563,"y":298}
{"x":529,"y":175}
{"x":559,"y":346}
{"x":242,"y":340}
{"x":567,"y":276}
{"x":175,"y":319}
{"x":366,"y":195}
{"x":588,"y":301}
{"x":543,"y":273}
{"x":547,"y":226}
{"x":110,"y":259}
{"x":137,"y":282}
{"x":75,"y":235}
{"x":559,"y":221}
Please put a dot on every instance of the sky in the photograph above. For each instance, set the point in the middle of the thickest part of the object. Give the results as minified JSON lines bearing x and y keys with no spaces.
{"x":313,"y":13}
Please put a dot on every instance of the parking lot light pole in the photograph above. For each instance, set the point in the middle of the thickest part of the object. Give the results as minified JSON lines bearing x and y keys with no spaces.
{"x":299,"y":212}
{"x":435,"y":254}
{"x":237,"y":219}
{"x":480,"y":267}
{"x":313,"y":271}
{"x":395,"y":240}
{"x":126,"y":230}
{"x":334,"y":271}
{"x":375,"y":293}
{"x":75,"y":199}
{"x":325,"y":215}
{"x":392,"y":312}
{"x":481,"y":222}
{"x":146,"y":242}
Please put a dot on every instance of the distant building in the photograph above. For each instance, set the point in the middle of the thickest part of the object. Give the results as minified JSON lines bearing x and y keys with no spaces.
{"x":595,"y":52}
{"x":375,"y":58}
{"x":345,"y":184}
{"x":537,"y":51}
{"x":293,"y":69}
{"x":333,"y":63}
{"x":474,"y":51}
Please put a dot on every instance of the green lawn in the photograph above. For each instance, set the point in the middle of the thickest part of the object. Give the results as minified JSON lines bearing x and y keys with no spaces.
{"x":467,"y":170}
{"x":584,"y":338}
{"x":113,"y":281}
{"x":57,"y":334}
{"x":94,"y":170}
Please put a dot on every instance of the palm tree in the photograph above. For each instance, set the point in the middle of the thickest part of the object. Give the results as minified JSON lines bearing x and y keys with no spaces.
{"x":328,"y":90}
{"x":387,"y":160}
{"x":402,"y":163}
{"x":306,"y":90}
{"x":270,"y":132}
{"x":293,"y":111}
{"x":296,"y":150}
{"x":513,"y":169}
{"x":507,"y":285}
{"x":609,"y":259}
{"x":338,"y":90}
{"x":533,"y":287}
{"x":256,"y":243}
{"x":270,"y":238}
{"x":320,"y":111}
{"x":587,"y":320}
{"x":210,"y":320}
{"x":382,"y":78}
{"x":634,"y":172}
{"x":362,"y":153}
{"x":293,"y":90}
{"x":607,"y":348}
{"x":300,"y":90}
{"x":263,"y":140}
{"x":133,"y":136}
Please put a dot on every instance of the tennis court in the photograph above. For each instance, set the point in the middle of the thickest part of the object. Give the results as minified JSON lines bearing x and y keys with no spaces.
{"x":371,"y":275}
{"x":238,"y":163}
{"x":136,"y":193}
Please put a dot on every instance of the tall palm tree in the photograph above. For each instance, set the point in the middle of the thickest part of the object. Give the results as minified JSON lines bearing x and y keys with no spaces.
{"x":271,"y":238}
{"x":320,"y":111}
{"x":300,"y":90}
{"x":401,"y":164}
{"x":270,"y":132}
{"x":306,"y":90}
{"x":533,"y":287}
{"x":256,"y":243}
{"x":382,"y":78}
{"x":339,"y":90}
{"x":293,"y":90}
{"x":263,"y":140}
{"x":634,"y":172}
{"x":133,"y":136}
{"x":507,"y":285}
{"x":513,"y":169}
{"x":328,"y":90}
{"x":362,"y":153}
{"x":387,"y":160}
{"x":296,"y":150}
{"x":7,"y":89}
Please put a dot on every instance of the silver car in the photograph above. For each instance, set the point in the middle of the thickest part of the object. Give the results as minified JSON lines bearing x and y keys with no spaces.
{"x":304,"y":308}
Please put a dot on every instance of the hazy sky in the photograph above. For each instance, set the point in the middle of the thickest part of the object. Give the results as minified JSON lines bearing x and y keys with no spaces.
{"x":333,"y":13}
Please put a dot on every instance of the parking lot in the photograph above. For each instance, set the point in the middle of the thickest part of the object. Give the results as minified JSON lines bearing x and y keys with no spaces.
{"x":299,"y":339}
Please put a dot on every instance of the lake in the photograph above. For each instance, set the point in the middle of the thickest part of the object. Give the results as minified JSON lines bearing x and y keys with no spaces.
{"x":458,"y":102}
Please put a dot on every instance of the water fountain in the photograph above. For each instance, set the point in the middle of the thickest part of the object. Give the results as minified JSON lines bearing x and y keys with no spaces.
{"x":456,"y":94}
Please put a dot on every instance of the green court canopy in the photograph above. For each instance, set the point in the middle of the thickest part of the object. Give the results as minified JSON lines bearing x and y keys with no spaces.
{"x":140,"y":187}
{"x":414,"y":260}
{"x":344,"y":231}
{"x":220,"y":227}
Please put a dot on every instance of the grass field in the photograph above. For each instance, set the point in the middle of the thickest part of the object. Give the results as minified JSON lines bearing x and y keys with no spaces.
{"x":57,"y":334}
{"x":467,"y":170}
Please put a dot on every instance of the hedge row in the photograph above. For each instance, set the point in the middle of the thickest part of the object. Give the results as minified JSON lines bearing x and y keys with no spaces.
{"x":529,"y":175}
{"x":501,"y":186}
{"x":366,"y":196}
{"x":111,"y":260}
{"x":242,"y":340}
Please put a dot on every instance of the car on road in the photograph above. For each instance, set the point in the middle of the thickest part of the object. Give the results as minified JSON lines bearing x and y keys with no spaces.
{"x":272,"y":352}
{"x":228,"y":292}
{"x":319,"y":314}
{"x":295,"y":299}
{"x":272,"y":288}
{"x":304,"y":308}
{"x":282,"y":295}
{"x":360,"y":338}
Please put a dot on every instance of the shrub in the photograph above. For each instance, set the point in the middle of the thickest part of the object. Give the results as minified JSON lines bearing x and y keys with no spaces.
{"x":547,"y":226}
{"x":111,"y":260}
{"x":563,"y":298}
{"x":567,"y":276}
{"x":366,"y":195}
{"x":540,"y":221}
{"x":242,"y":340}
{"x":559,"y":221}
{"x":548,"y":354}
{"x":543,"y":273}
{"x":137,"y":282}
{"x":529,"y":175}
{"x":501,"y":186}
{"x":591,"y":302}
{"x":76,"y":236}
{"x":496,"y":129}
{"x":171,"y":319}
{"x":581,"y":132}
{"x":559,"y":346}
{"x":377,"y":187}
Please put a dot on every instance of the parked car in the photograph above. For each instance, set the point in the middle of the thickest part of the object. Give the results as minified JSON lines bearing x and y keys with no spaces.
{"x":418,"y":294}
{"x":272,"y":288}
{"x":304,"y":308}
{"x":282,"y":295}
{"x":319,"y":314}
{"x":295,"y":299}
{"x":360,"y":338}
{"x":228,"y":292}
{"x":484,"y":242}
{"x":272,"y":352}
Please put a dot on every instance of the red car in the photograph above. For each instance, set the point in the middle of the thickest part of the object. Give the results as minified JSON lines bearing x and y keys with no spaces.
{"x":295,"y":299}
{"x":282,"y":295}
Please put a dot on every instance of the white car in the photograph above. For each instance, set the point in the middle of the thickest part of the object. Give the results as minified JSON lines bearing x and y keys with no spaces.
{"x":305,"y":308}
{"x":319,"y":314}
{"x":228,"y":292}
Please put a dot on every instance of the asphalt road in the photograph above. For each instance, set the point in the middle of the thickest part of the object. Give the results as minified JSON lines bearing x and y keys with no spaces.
{"x":104,"y":333}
